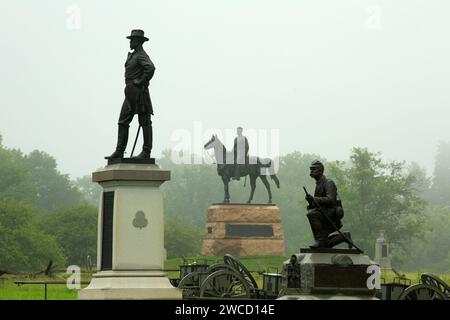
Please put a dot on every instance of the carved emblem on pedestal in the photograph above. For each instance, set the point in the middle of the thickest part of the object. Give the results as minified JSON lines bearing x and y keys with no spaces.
{"x":140,"y":221}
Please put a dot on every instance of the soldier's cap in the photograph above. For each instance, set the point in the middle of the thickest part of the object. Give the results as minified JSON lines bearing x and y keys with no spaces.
{"x":317,"y":164}
{"x":137,"y":33}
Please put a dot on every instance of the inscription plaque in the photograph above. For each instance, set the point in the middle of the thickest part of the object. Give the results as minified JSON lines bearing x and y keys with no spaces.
{"x":248,"y":230}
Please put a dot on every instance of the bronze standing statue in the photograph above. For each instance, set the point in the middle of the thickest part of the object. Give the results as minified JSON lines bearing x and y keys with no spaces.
{"x":139,"y":69}
{"x":325,"y":211}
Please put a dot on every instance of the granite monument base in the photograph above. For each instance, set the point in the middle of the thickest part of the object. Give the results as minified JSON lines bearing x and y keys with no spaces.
{"x":243,"y":230}
{"x":130,"y":285}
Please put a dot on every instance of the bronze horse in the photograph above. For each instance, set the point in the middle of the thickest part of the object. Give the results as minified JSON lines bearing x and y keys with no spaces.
{"x":257,"y":168}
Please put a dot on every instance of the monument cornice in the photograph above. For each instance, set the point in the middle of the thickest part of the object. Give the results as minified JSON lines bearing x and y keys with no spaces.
{"x":133,"y":172}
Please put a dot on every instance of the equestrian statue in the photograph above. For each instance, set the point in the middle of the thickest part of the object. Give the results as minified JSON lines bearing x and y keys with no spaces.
{"x":254,"y":167}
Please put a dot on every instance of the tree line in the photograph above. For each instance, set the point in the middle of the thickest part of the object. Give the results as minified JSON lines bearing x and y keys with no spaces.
{"x":44,"y":215}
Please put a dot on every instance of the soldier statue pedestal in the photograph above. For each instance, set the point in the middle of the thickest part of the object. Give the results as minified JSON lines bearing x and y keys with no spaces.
{"x":329,"y":274}
{"x":130,"y":249}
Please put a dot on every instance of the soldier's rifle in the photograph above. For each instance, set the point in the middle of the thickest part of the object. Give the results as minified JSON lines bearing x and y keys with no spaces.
{"x":314,"y":204}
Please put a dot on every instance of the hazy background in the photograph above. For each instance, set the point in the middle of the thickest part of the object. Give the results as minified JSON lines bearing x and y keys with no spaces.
{"x":330,"y":75}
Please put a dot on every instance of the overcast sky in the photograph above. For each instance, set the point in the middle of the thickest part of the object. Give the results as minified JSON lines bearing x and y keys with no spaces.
{"x":329,"y":75}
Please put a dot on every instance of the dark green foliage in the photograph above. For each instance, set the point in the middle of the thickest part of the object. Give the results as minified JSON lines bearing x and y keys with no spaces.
{"x":24,"y":247}
{"x":378,"y":196}
{"x":75,"y":229}
{"x":29,"y":186}
{"x":182,"y":239}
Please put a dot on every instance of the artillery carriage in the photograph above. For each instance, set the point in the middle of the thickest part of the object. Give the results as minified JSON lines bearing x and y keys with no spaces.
{"x":431,"y":287}
{"x":229,"y":279}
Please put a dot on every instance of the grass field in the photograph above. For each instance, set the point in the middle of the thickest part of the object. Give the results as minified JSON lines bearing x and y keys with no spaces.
{"x":10,"y":291}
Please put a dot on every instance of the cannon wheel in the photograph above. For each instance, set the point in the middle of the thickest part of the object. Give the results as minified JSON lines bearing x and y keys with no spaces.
{"x":225,"y":283}
{"x":190,"y":285}
{"x":422,"y":291}
{"x":218,"y":266}
{"x":239,"y":267}
{"x":434,"y":281}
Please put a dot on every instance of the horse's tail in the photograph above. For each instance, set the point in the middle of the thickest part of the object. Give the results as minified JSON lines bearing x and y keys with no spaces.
{"x":275,"y":178}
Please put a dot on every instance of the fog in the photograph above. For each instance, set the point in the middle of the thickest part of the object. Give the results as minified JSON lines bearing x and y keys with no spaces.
{"x":328,"y":75}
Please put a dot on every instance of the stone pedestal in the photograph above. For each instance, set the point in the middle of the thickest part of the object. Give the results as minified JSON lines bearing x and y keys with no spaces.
{"x":130,"y":250}
{"x":243,"y":230}
{"x":329,"y":274}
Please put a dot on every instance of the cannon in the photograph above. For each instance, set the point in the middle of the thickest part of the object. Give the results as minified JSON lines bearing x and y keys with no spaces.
{"x":431,"y":287}
{"x":393,"y":290}
{"x":229,"y":279}
{"x":190,"y":266}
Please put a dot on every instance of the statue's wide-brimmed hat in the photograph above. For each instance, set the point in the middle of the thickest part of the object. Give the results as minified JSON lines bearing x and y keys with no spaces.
{"x":137,"y":34}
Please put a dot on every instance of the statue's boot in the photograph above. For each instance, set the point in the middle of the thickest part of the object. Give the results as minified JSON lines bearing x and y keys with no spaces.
{"x":122,"y":139}
{"x":147,"y":147}
{"x":318,"y":244}
{"x":336,"y":239}
{"x":320,"y":236}
{"x":349,"y":239}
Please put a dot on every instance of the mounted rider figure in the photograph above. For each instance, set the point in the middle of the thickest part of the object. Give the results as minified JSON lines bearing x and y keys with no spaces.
{"x":240,"y":152}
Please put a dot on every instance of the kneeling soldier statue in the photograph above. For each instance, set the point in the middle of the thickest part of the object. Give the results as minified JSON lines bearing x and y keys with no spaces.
{"x":325,"y":210}
{"x":139,"y":69}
